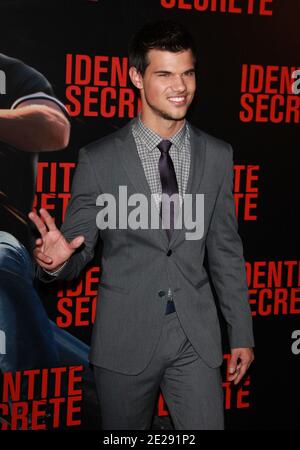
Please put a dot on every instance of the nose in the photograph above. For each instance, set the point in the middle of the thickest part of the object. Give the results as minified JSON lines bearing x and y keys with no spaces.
{"x":179,"y":84}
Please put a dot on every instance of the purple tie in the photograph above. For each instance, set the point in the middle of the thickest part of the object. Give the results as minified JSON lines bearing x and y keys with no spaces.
{"x":168,"y":178}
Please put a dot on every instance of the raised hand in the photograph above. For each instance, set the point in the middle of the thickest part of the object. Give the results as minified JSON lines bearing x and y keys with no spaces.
{"x":52,"y":249}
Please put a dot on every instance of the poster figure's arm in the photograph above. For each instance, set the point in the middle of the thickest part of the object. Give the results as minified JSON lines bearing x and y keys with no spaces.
{"x":35,"y":123}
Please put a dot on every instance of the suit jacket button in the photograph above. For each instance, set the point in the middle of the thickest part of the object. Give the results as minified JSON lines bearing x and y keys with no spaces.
{"x":169,"y":253}
{"x":161,"y":293}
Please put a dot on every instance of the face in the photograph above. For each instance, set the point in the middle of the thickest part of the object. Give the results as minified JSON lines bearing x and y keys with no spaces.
{"x":168,"y":84}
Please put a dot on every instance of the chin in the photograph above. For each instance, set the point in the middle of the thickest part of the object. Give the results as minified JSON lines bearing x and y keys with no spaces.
{"x":170,"y":116}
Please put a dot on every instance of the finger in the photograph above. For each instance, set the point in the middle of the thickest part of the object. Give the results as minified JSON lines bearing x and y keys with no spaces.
{"x":245,"y":365}
{"x":233,"y":363}
{"x":76,"y":242}
{"x":241,"y":371}
{"x":241,"y":374}
{"x":38,"y":223}
{"x":39,"y":242}
{"x":233,"y":376}
{"x":241,"y":367}
{"x":49,"y":220}
{"x":42,"y":257}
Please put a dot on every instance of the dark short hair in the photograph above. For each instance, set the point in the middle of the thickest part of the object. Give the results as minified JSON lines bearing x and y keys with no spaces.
{"x":162,"y":35}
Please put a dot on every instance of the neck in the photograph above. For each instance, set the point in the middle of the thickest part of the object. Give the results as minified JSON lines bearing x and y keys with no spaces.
{"x":163,"y":127}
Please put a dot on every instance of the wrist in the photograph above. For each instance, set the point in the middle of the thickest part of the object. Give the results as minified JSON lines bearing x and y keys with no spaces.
{"x":57,"y":269}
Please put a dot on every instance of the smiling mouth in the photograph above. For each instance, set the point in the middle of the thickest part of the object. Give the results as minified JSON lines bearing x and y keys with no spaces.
{"x":179,"y":100}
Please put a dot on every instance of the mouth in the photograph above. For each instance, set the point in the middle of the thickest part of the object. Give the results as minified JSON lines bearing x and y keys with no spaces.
{"x":179,"y":100}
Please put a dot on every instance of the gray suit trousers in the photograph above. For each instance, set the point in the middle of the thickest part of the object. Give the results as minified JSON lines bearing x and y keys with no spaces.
{"x":191,"y":389}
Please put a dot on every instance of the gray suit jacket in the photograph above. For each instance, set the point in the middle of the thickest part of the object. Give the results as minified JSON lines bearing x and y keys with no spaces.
{"x":135,"y":268}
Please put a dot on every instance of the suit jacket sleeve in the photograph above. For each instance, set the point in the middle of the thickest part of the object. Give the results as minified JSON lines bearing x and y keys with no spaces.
{"x":227,"y":265}
{"x":80,"y":219}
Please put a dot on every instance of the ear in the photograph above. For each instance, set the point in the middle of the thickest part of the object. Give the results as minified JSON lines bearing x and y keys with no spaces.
{"x":136,"y":77}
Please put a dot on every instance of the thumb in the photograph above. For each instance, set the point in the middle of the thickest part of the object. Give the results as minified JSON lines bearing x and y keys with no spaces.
{"x":76,"y":242}
{"x":233,"y":362}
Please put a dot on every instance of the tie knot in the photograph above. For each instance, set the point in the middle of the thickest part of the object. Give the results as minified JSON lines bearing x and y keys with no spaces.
{"x":164,"y":145}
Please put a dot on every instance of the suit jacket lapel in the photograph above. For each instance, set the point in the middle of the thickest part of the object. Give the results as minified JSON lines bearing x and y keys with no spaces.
{"x":197,"y":163}
{"x":133,"y":166}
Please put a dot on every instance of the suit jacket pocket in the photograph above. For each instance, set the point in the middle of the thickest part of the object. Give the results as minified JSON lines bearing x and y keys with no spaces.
{"x":201,"y":283}
{"x":114,"y":288}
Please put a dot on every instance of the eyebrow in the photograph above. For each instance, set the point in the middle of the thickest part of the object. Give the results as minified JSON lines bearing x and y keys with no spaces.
{"x":192,"y":69}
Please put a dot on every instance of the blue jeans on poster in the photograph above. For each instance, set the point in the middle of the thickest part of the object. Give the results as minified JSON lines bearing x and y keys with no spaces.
{"x":29,"y":341}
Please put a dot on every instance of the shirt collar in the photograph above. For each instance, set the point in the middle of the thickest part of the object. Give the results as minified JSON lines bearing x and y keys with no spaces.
{"x":152,"y":139}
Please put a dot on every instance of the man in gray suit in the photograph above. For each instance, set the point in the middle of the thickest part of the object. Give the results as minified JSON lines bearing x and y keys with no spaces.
{"x":157,"y":323}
